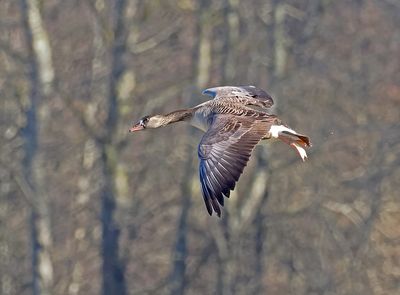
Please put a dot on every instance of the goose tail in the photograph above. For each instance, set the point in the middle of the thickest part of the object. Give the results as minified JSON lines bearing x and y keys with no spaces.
{"x":296,"y":140}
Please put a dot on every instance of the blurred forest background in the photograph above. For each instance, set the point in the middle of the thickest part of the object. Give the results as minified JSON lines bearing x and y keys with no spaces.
{"x":87,"y":208}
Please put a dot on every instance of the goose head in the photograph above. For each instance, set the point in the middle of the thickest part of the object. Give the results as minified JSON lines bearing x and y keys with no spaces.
{"x":155,"y":121}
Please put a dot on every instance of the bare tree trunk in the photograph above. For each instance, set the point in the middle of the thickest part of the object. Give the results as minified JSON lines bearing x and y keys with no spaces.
{"x":261,"y":233}
{"x":201,"y":76}
{"x":113,"y":268}
{"x":177,"y":279}
{"x":41,"y":77}
{"x":227,"y":254}
{"x":260,"y":227}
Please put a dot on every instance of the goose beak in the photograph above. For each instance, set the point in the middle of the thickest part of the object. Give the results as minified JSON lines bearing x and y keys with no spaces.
{"x":136,"y":127}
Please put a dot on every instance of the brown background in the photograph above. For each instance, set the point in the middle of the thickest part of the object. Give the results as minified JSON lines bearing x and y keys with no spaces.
{"x":86,"y":208}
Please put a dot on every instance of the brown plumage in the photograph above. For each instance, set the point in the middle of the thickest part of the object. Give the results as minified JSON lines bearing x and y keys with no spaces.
{"x":233,"y":128}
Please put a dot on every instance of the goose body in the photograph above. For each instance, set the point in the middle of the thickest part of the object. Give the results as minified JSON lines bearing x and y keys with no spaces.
{"x":234,"y":122}
{"x":201,"y":118}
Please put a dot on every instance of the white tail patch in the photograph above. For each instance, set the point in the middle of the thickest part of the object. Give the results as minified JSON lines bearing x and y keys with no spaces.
{"x":289,"y":137}
{"x":277,"y":129}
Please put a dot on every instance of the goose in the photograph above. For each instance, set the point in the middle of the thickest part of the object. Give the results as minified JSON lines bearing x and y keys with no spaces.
{"x":235,"y":120}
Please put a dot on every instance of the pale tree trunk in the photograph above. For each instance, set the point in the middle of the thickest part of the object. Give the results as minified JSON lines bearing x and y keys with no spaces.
{"x":41,"y":77}
{"x":280,"y":41}
{"x":261,"y":236}
{"x":259,"y":221}
{"x":231,"y":19}
{"x":235,"y":225}
{"x":203,"y":51}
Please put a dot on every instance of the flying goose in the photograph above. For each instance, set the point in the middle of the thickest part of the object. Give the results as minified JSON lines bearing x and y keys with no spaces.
{"x":234,"y":122}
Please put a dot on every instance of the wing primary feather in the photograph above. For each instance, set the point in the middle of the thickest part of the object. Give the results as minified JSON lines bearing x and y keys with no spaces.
{"x":206,"y":196}
{"x":224,"y":152}
{"x":216,"y":207}
{"x":229,"y":179}
{"x":217,"y":188}
{"x":227,"y":193}
{"x":208,"y":192}
{"x":215,"y":192}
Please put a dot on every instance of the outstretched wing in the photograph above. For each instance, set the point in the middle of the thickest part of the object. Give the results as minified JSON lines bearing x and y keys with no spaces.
{"x":247,"y":95}
{"x":224,"y":152}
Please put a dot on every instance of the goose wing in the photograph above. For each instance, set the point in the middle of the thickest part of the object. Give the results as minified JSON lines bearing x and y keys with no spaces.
{"x":224,"y":151}
{"x":247,"y":95}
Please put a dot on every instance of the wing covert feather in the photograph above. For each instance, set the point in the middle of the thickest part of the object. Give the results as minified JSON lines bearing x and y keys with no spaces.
{"x":246,"y":95}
